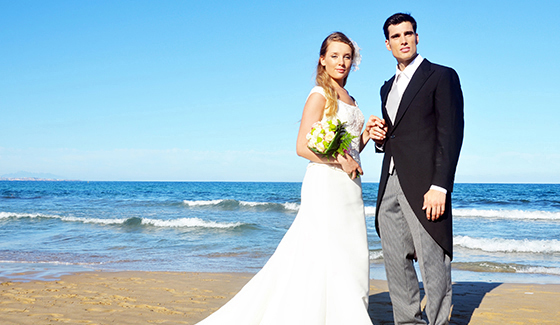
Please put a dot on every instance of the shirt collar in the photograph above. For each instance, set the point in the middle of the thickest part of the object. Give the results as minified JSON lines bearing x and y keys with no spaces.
{"x":408,"y":72}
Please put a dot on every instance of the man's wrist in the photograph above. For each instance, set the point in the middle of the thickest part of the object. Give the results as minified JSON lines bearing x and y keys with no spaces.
{"x":438,"y":188}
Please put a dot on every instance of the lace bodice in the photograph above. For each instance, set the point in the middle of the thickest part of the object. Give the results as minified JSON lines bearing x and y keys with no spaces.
{"x":354,"y":119}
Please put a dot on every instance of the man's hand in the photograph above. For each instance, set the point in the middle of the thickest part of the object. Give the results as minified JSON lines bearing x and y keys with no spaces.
{"x":434,"y":204}
{"x":377,"y":129}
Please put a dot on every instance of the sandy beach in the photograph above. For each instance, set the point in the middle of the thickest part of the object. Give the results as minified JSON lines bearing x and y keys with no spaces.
{"x":186,"y":298}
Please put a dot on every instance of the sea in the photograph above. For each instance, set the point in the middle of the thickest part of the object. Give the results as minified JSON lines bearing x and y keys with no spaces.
{"x":502,"y":232}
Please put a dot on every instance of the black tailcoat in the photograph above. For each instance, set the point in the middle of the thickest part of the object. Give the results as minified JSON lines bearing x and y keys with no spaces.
{"x":425,"y":141}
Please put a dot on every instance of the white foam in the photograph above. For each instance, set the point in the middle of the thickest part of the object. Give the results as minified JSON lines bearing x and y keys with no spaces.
{"x":291,"y":206}
{"x":376,"y":255}
{"x":176,"y":223}
{"x":538,"y":270}
{"x":494,"y":214}
{"x":199,"y":203}
{"x":252,"y":204}
{"x":6,"y":215}
{"x":51,"y":262}
{"x":370,"y":211}
{"x":506,"y":214}
{"x":92,"y":220}
{"x":508,"y":245}
{"x":189,"y":223}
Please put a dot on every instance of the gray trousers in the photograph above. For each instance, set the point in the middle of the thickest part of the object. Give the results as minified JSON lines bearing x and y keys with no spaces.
{"x":403,"y":237}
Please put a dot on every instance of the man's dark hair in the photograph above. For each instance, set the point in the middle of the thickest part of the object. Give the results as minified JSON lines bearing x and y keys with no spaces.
{"x":397,"y":19}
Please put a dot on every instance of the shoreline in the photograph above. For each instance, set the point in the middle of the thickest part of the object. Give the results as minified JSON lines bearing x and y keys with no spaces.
{"x":47,"y":270}
{"x":134,"y":297}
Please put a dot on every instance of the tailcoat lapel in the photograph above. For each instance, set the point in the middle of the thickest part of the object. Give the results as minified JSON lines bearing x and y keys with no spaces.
{"x":384,"y":95}
{"x":417,"y":81}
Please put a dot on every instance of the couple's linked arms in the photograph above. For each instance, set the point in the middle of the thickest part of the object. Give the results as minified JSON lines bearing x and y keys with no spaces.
{"x":313,"y":112}
{"x":434,"y":199}
{"x":377,"y":130}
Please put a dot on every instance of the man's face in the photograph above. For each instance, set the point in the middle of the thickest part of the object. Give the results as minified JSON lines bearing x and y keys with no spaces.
{"x":402,"y":42}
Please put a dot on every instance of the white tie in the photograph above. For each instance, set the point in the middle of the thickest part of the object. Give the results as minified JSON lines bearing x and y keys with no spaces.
{"x":394,"y":100}
{"x":392,"y":106}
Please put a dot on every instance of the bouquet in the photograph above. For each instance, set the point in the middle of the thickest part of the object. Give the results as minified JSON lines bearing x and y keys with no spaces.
{"x":329,"y":138}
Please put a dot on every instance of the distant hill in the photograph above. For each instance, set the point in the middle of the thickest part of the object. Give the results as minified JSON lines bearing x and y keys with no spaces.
{"x":28,"y":176}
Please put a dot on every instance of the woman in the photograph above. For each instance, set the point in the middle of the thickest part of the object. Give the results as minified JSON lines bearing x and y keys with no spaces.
{"x":319,"y":274}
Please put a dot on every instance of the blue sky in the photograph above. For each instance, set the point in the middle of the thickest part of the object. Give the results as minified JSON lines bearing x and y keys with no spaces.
{"x":214,"y":90}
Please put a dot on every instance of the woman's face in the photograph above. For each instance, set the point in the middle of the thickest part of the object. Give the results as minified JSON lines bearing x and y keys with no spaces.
{"x":337,"y":61}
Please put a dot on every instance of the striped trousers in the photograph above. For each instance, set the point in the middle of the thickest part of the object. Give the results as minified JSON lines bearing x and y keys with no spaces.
{"x":403,"y":238}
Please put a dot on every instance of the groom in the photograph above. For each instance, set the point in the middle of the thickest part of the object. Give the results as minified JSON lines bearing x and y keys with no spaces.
{"x":421,"y":135}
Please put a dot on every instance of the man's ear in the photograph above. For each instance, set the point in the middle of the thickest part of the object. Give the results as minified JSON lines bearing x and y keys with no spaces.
{"x":387,"y":45}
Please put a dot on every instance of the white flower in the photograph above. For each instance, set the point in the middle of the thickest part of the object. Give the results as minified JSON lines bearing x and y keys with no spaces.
{"x":314,"y":132}
{"x":329,"y":136}
{"x":357,"y":59}
{"x":320,"y":146}
{"x":316,"y":138}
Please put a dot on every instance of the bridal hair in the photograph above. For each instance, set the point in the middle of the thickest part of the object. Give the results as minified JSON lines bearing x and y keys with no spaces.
{"x":324,"y":80}
{"x":397,"y":19}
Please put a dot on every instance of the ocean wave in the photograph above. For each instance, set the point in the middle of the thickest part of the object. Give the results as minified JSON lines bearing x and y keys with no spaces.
{"x":494,"y":214}
{"x":202,"y":203}
{"x":539,"y":270}
{"x":507,"y":214}
{"x":7,"y":215}
{"x":261,"y":206}
{"x":375,"y":255}
{"x":508,"y":245}
{"x":505,"y":268}
{"x":235,"y":205}
{"x":52,"y":262}
{"x":190,"y":223}
{"x":370,"y":211}
{"x":224,"y":204}
{"x":134,"y":221}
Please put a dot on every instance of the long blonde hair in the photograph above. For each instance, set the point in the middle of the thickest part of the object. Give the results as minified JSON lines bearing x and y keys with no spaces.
{"x":324,"y":80}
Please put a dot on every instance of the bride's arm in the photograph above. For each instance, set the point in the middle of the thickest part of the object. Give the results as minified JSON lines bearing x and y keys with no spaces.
{"x":364,"y":138}
{"x":375,"y":129}
{"x":313,"y":112}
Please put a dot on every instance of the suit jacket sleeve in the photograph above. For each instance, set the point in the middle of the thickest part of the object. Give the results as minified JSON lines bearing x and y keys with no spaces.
{"x":448,"y":103}
{"x":382,"y":92}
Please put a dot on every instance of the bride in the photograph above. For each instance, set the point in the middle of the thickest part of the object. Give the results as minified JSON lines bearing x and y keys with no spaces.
{"x":319,"y":273}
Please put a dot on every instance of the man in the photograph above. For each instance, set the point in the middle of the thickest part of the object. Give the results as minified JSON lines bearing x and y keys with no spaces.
{"x":421,"y":134}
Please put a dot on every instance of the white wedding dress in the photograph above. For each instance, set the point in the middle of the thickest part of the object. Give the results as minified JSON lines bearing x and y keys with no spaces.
{"x":319,"y":273}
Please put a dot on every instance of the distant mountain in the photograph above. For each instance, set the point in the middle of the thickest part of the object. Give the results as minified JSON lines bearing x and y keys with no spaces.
{"x":29,"y":175}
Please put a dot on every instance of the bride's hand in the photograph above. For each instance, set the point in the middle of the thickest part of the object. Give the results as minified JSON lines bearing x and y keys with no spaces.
{"x":349,"y":165}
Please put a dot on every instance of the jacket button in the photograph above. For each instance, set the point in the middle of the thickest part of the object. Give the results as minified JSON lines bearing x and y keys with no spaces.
{"x":392,"y":136}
